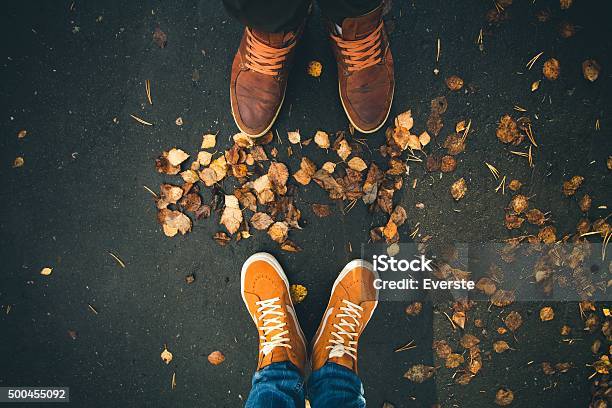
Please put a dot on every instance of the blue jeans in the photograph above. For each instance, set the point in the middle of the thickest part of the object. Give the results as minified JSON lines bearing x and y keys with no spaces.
{"x":280,"y":385}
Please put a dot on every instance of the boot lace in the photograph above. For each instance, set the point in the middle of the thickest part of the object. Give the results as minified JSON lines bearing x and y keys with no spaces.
{"x":273,"y":321}
{"x":344,"y":339}
{"x":363,"y":53}
{"x":265,"y":59}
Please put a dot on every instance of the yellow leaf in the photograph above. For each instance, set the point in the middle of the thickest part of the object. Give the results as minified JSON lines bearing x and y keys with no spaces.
{"x":298,"y":293}
{"x":46,"y":271}
{"x":166,"y":355}
{"x":208,"y":141}
{"x":314,"y":69}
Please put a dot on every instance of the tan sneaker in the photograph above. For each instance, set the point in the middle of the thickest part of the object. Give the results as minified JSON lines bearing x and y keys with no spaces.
{"x":352,"y":302}
{"x":265,"y":291}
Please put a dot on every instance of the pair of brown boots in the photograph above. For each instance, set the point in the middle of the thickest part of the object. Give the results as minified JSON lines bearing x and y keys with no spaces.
{"x":265,"y":291}
{"x":365,"y":73}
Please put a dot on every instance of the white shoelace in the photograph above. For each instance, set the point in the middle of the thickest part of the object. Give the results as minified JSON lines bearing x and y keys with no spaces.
{"x":271,"y":307}
{"x":348,"y":329}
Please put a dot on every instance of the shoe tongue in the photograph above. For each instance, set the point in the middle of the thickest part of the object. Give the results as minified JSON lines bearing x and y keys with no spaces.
{"x":356,"y":28}
{"x":345,"y":361}
{"x":276,"y":40}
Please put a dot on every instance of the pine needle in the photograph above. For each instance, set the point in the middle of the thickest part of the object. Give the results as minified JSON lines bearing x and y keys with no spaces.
{"x":438,"y":53}
{"x":151,"y":191}
{"x":142,"y":121}
{"x":519,"y":108}
{"x":533,"y":60}
{"x":416,"y":231}
{"x":605,"y":245}
{"x":502,"y":185}
{"x":119,"y":261}
{"x":409,"y":346}
{"x":493,"y":170}
{"x":92,"y":308}
{"x":530,"y":135}
{"x":466,"y":131}
{"x":148,"y":89}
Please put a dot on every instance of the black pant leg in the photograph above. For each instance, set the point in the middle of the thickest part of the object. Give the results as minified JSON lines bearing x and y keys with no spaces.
{"x":270,"y":16}
{"x":338,"y":10}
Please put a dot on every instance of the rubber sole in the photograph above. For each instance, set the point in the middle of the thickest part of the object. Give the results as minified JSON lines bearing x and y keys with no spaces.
{"x":353,"y":123}
{"x":269,"y":126}
{"x":264,"y":256}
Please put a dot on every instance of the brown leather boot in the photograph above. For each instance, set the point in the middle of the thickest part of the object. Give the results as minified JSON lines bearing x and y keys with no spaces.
{"x":351,"y":304}
{"x":259,"y":78}
{"x":365,"y":70}
{"x":265,"y":291}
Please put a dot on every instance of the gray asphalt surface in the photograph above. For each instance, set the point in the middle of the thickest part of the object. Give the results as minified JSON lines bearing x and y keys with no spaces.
{"x":72,"y":75}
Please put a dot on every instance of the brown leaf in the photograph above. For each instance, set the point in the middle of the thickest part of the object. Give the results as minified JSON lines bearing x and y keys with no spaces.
{"x":306,"y":171}
{"x":469,"y":341}
{"x":500,"y":346}
{"x":414,"y":309}
{"x":398,"y":216}
{"x":504,"y":396}
{"x":321,"y":210}
{"x":162,"y":164}
{"x":458,"y":189}
{"x":442,"y":349}
{"x":160,"y":38}
{"x":173,"y":222}
{"x":502,"y":298}
{"x":519,"y":203}
{"x":486,"y":285}
{"x":536,"y":217}
{"x":390,"y":232}
{"x":216,"y":358}
{"x":570,"y":186}
{"x":551,"y":69}
{"x":344,"y":150}
{"x":459,"y":319}
{"x":168,"y":194}
{"x":294,"y":137}
{"x":290,"y":246}
{"x":547,"y":313}
{"x":590,"y":70}
{"x":507,"y":130}
{"x":278,"y":174}
{"x":454,"y":360}
{"x":261,"y":221}
{"x":514,"y":185}
{"x":585,"y":203}
{"x":221,"y":238}
{"x":322,"y":139}
{"x":419,"y":373}
{"x":448,"y":164}
{"x":513,"y":321}
{"x":278,"y":232}
{"x":454,"y":144}
{"x":424,"y":138}
{"x":548,"y":235}
{"x":404,"y":120}
{"x":454,"y":83}
{"x":513,"y":221}
{"x":191,"y":202}
{"x":176,"y":156}
{"x":232,"y":216}
{"x":357,"y":164}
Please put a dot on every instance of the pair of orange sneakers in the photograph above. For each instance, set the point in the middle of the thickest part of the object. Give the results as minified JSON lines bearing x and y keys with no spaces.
{"x":265,"y":291}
